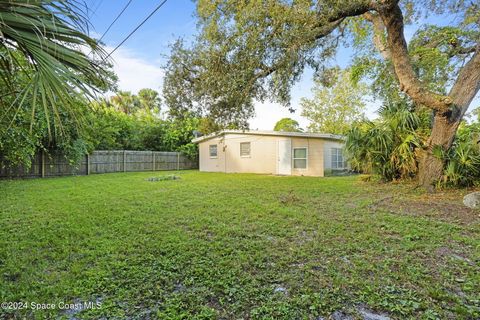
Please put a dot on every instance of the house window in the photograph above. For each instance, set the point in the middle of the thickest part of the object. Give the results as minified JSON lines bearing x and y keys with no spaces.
{"x":300,"y":158}
{"x":213,"y":150}
{"x":338,"y":162}
{"x":245,"y":149}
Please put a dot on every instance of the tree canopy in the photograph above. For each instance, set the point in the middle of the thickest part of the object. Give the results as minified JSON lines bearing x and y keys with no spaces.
{"x":287,"y":125}
{"x":336,"y":106}
{"x":146,"y":100}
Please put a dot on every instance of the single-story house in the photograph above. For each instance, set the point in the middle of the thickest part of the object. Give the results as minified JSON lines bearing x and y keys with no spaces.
{"x":271,"y":152}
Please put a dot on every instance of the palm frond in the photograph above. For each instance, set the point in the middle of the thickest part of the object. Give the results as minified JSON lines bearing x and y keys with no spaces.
{"x":52,"y":41}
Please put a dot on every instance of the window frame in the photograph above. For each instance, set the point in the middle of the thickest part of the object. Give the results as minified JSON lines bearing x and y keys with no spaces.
{"x":210,"y":151}
{"x":336,"y":152}
{"x":249,"y":149}
{"x":306,"y":158}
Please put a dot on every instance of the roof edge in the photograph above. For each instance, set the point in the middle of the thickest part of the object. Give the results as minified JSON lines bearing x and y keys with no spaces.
{"x":271,"y":133}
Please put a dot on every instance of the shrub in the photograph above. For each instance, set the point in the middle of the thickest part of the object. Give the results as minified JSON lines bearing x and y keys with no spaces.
{"x":388,"y":147}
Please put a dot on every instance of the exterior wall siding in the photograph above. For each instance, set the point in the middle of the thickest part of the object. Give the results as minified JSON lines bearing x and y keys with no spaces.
{"x":212,"y":164}
{"x":262,"y":159}
{"x":263,"y":154}
{"x":314,"y":156}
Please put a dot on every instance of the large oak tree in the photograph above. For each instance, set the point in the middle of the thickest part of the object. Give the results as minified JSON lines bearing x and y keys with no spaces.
{"x":256,"y":50}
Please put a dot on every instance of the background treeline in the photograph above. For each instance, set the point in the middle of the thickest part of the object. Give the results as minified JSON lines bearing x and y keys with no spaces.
{"x":121,"y":121}
{"x":131,"y":122}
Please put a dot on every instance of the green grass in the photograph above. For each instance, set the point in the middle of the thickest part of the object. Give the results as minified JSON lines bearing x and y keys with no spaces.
{"x":212,"y":245}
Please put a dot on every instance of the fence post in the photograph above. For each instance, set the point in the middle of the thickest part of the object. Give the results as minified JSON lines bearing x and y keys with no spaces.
{"x":106,"y":161}
{"x":88,"y":164}
{"x":42,"y":165}
{"x":153,"y":164}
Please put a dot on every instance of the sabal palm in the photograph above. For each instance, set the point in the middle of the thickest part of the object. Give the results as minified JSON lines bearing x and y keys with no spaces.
{"x":387,"y":145}
{"x":46,"y":40}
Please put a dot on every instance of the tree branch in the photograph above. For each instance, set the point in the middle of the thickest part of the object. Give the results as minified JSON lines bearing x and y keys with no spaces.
{"x":456,"y":50}
{"x":325,"y":30}
{"x":349,"y":9}
{"x":378,"y":34}
{"x":409,"y":83}
{"x":467,"y":85}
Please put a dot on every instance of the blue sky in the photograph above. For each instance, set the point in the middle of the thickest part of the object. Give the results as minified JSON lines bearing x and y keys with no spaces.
{"x":138,"y":62}
{"x":174,"y":19}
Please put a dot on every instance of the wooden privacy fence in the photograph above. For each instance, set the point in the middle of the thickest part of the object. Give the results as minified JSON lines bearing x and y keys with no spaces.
{"x":100,"y":162}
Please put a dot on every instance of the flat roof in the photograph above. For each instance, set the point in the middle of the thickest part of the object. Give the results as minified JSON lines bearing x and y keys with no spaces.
{"x":272,"y":133}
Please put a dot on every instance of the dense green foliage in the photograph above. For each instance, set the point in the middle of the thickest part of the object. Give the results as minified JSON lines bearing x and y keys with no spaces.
{"x":133,"y":122}
{"x":48,"y":82}
{"x":216,"y":246}
{"x":44,"y":43}
{"x":26,"y":129}
{"x":389,"y":145}
{"x":115,"y":125}
{"x":463,"y":159}
{"x":288,"y":125}
{"x":20,"y":139}
{"x":386,"y":146}
{"x":45,"y":78}
{"x":106,"y":124}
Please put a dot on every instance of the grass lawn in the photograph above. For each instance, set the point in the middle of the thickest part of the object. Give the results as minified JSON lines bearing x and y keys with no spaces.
{"x":211,"y":245}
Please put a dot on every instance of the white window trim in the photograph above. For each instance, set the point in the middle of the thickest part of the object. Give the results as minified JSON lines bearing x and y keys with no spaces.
{"x":306,"y":158}
{"x":250,"y":151}
{"x":343,"y":162}
{"x":210,"y":154}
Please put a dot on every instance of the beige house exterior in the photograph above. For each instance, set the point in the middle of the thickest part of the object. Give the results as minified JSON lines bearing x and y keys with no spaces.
{"x":271,"y":152}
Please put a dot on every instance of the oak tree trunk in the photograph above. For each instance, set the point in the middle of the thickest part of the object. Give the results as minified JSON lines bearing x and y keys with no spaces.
{"x":442,"y":136}
{"x":449,"y":110}
{"x":445,"y":124}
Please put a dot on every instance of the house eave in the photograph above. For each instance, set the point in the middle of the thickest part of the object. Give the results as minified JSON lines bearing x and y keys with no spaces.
{"x":313,"y":135}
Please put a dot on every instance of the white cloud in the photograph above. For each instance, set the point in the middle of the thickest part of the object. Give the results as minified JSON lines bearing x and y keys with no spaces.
{"x":135,"y":73}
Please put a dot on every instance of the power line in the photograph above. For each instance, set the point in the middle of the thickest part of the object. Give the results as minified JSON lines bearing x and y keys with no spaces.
{"x":115,"y":20}
{"x":135,"y":30}
{"x":98,"y":6}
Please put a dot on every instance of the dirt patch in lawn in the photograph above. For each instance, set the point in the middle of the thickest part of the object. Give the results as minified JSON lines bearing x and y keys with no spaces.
{"x":450,"y":208}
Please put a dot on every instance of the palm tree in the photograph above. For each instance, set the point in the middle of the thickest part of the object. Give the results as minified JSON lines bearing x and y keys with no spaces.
{"x":125,"y":102}
{"x":386,"y":146}
{"x":46,"y":42}
{"x":149,"y":100}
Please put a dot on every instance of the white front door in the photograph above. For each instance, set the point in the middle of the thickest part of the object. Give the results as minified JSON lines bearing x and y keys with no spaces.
{"x":284,"y":157}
